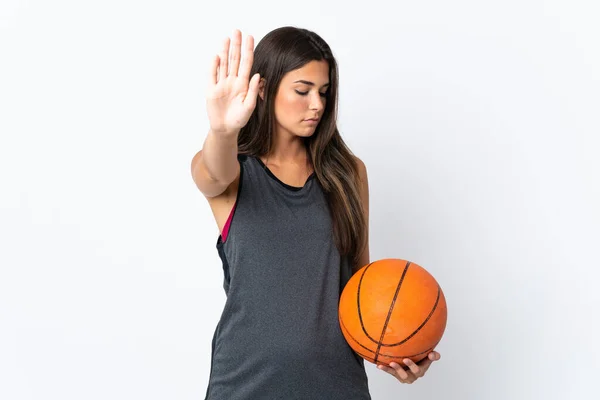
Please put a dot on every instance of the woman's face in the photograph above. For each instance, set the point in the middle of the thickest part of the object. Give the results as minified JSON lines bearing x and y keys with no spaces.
{"x":301,"y":96}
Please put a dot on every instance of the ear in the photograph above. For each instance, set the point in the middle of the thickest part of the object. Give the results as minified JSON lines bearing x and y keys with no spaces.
{"x":261,"y":88}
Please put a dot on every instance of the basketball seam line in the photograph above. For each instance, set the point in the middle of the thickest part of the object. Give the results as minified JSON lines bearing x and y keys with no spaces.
{"x":387,"y":320}
{"x":358,"y":303}
{"x":437,"y":300}
{"x":345,"y":329}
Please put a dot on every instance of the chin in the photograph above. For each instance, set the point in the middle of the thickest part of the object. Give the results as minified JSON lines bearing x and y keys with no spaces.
{"x":306,"y":134}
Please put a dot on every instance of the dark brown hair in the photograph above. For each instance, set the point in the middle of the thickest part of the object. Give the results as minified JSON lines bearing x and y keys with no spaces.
{"x":279,"y":52}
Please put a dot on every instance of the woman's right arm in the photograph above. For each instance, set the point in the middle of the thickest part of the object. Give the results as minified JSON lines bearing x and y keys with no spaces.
{"x":230,"y":101}
{"x":216,"y":166}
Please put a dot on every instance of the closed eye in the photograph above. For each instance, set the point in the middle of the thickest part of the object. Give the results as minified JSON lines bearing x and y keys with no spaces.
{"x":305,"y":93}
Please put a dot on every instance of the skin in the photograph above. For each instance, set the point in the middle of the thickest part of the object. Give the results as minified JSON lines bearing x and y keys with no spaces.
{"x":302,"y":94}
{"x":412,"y":371}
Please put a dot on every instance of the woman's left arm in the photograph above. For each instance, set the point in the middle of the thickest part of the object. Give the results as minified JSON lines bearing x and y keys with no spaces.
{"x":412,"y":371}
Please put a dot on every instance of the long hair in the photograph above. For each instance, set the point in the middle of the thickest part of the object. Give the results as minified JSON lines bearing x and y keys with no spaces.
{"x":279,"y":52}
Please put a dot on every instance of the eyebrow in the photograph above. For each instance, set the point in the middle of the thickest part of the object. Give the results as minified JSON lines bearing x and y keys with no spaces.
{"x":309,"y":83}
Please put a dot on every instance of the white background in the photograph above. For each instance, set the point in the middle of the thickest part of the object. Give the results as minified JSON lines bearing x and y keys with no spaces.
{"x":478,"y":122}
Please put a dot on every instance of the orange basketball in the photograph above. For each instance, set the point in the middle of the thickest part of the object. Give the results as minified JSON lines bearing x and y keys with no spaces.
{"x":392,"y":309}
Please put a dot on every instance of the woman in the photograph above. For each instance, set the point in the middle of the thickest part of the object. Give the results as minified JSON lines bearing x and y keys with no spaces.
{"x":291,"y":203}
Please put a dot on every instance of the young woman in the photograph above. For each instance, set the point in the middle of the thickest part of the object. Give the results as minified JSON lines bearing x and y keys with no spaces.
{"x":291,"y":202}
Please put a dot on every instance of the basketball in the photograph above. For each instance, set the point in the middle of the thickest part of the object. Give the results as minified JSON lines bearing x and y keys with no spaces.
{"x":392,"y":309}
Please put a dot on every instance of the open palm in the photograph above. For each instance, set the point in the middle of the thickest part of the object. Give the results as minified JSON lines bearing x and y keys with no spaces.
{"x":231,"y":95}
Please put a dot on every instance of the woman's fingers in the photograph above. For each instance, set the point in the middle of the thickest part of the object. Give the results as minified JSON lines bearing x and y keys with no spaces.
{"x":250,"y":100}
{"x":395,"y":370}
{"x":224,"y":56}
{"x":248,"y":59}
{"x":414,"y":368}
{"x":235,"y":53}
{"x":231,"y":62}
{"x":399,"y":371}
{"x":214,"y":71}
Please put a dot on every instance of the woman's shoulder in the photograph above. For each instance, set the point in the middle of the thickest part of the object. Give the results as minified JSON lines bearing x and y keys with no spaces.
{"x":361,"y":167}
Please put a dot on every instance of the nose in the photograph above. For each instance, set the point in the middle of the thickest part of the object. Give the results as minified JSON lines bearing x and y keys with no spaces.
{"x":316,"y":102}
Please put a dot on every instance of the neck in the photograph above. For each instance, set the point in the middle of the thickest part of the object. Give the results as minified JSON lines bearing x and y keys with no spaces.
{"x":290,"y":150}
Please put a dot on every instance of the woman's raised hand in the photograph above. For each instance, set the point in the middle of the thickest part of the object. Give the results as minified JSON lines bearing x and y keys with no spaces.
{"x":231,"y":94}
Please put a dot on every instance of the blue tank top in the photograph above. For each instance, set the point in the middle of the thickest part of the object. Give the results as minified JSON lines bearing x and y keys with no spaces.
{"x":279,"y":336}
